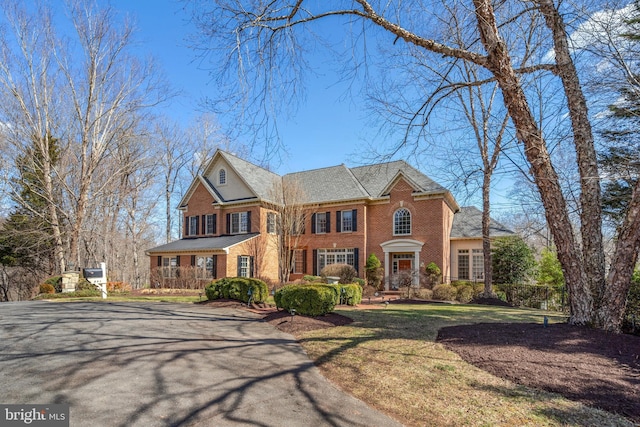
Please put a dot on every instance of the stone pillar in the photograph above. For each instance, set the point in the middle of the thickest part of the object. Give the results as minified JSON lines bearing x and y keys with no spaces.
{"x":70,"y":281}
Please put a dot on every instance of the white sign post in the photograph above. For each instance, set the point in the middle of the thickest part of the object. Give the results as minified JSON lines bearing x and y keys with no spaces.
{"x":98,"y":278}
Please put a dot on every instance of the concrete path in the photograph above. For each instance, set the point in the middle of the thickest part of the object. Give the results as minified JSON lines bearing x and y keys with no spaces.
{"x":156,"y":364}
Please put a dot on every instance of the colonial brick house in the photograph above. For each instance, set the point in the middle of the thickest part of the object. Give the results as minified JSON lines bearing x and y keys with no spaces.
{"x":391,"y":210}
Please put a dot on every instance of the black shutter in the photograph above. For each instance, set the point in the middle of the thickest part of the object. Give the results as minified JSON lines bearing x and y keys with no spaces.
{"x":328,"y":217}
{"x":178,"y":261}
{"x":215,"y":224}
{"x":356,"y":261}
{"x":354,"y":220}
{"x":228,"y":223}
{"x":249,"y":222}
{"x":204,"y":225}
{"x":186,"y":226}
{"x":315,"y":262}
{"x":214,"y":266}
{"x":197,"y":224}
{"x":304,"y":261}
{"x":239,"y":263}
{"x":193,"y":260}
{"x":313,"y":224}
{"x":252,"y":269}
{"x":339,"y":222}
{"x":159,"y":261}
{"x":291,"y":261}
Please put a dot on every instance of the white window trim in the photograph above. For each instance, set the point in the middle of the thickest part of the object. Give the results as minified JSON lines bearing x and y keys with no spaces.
{"x":393,"y":222}
{"x":318,"y":223}
{"x":240,"y":223}
{"x":342,"y":219}
{"x":221,"y":172}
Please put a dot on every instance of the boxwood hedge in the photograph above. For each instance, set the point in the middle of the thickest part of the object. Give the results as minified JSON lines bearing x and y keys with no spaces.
{"x":238,"y":288}
{"x":317,"y":299}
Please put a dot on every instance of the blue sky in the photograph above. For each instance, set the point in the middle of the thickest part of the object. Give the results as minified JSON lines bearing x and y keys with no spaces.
{"x":324,"y":131}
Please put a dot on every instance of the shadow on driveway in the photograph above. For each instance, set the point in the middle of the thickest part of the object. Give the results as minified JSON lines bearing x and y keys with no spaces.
{"x":161,"y":364}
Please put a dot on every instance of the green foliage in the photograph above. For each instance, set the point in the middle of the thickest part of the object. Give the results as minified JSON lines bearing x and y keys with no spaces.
{"x":549,"y":269}
{"x":631,"y":319}
{"x":433,"y":274}
{"x":373,"y":271}
{"x":46,"y":288}
{"x":56,"y":282}
{"x":465,"y":294}
{"x":308,"y":300}
{"x":310,"y":278}
{"x":85,"y":285}
{"x":512,"y":260}
{"x":360,"y":282}
{"x":344,"y":272}
{"x":444,"y":292}
{"x":350,"y":294}
{"x":238,"y":288}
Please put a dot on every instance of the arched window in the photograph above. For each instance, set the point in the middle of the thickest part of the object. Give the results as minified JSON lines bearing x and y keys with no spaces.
{"x":402,"y":222}
{"x":222,"y":177}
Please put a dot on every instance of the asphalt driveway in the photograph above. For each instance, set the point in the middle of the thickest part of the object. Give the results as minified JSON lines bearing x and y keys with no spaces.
{"x":158,"y":364}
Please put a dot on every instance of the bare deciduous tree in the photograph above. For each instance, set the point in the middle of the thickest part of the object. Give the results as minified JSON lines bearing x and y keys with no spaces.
{"x":261,"y":38}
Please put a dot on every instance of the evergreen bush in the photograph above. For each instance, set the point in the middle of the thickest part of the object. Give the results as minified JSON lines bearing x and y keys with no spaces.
{"x":444,"y":292}
{"x":308,"y":300}
{"x":238,"y":288}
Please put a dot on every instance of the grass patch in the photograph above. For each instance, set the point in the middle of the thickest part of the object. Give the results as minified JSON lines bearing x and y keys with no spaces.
{"x":389,"y":359}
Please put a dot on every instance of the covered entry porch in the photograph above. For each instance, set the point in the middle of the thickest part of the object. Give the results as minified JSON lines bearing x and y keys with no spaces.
{"x":401,"y":255}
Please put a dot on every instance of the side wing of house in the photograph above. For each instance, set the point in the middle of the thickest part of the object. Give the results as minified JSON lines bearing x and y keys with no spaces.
{"x":225,"y":219}
{"x":467,"y":259}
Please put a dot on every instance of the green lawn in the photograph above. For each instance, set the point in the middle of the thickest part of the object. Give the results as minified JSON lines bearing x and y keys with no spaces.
{"x":389,"y":358}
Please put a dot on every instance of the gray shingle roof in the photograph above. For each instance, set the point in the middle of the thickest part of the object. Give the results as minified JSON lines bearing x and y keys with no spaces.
{"x":262,"y":182}
{"x":334,"y":183}
{"x":202,"y":244}
{"x":467,"y":223}
{"x":376,"y":178}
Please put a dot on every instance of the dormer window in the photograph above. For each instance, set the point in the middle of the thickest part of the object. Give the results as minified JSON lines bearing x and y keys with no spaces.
{"x":402,"y":222}
{"x":222,"y":177}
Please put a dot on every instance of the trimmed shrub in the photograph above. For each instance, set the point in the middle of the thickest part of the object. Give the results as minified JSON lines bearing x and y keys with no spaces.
{"x":47,"y":288}
{"x":309,"y":278}
{"x":424,"y":293}
{"x":238,"y":288}
{"x":350,"y":294}
{"x":433,"y":275}
{"x":374,"y":271}
{"x":85,"y":285}
{"x":465,"y":294}
{"x":118,"y":287}
{"x":444,"y":292}
{"x":345,"y":272}
{"x":308,"y":300}
{"x":56,"y":282}
{"x":360,"y":282}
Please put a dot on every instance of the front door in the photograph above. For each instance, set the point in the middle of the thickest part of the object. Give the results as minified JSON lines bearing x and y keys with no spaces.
{"x":404,"y":264}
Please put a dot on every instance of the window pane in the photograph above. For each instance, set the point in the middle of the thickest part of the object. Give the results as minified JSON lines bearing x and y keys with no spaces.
{"x":321,"y":222}
{"x":347,"y":220}
{"x":463,"y":264}
{"x":402,"y":222}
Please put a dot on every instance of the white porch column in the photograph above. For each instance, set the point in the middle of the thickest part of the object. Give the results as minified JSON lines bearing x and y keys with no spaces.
{"x":386,"y":270}
{"x":416,"y":268}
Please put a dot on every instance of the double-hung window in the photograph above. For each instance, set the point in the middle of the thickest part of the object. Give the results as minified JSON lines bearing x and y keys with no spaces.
{"x":210,"y":224}
{"x":271,"y":222}
{"x":321,"y":222}
{"x":463,"y":264}
{"x":244,"y":266}
{"x":477,"y":266}
{"x":169,"y":267}
{"x":193,"y":225}
{"x":347,"y":221}
{"x":239,"y":222}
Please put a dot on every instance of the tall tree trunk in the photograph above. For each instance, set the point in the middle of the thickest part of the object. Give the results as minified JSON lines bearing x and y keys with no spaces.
{"x":486,"y":239}
{"x":546,"y":178}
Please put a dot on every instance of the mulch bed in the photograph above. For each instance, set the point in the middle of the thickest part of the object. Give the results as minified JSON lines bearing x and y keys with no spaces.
{"x":591,"y":366}
{"x":587,"y":365}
